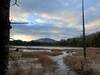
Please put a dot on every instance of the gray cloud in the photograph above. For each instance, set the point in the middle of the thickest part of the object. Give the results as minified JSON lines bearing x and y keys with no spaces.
{"x":57,"y":19}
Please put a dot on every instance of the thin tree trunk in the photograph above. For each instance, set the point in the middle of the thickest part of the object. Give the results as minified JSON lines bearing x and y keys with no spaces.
{"x":4,"y":35}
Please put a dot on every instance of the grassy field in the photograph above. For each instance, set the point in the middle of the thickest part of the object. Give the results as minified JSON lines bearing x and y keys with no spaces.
{"x":88,"y":66}
{"x":38,"y":54}
{"x":74,"y":59}
{"x":47,"y":65}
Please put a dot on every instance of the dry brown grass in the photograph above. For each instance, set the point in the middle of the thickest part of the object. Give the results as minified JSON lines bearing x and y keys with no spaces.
{"x":20,"y":71}
{"x":55,"y":52}
{"x":33,"y":54}
{"x":47,"y":66}
{"x":93,"y":54}
{"x":37,"y":54}
{"x":46,"y":61}
{"x":32,"y":71}
{"x":78,"y":63}
{"x":43,"y":59}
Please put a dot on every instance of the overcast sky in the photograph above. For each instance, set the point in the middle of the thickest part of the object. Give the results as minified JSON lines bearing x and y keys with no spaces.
{"x":56,"y":19}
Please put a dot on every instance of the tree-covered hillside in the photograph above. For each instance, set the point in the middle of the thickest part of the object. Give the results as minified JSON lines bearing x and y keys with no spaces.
{"x":92,"y":40}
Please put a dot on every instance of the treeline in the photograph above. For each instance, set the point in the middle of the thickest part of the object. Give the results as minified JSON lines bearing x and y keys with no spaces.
{"x":32,"y":43}
{"x":92,"y":40}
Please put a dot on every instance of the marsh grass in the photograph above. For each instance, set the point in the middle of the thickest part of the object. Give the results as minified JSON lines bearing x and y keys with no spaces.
{"x":81,"y":65}
{"x":46,"y":61}
{"x":37,"y":54}
{"x":48,"y":66}
{"x":55,"y":52}
{"x":16,"y":69}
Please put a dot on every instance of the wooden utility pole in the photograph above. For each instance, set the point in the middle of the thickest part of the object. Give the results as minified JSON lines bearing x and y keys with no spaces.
{"x":84,"y":37}
{"x":4,"y":35}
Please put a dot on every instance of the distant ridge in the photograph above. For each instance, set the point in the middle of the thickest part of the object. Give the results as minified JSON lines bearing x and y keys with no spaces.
{"x":92,"y":40}
{"x":46,"y":40}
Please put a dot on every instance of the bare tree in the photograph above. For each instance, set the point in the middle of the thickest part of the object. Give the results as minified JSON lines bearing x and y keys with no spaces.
{"x":4,"y":35}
